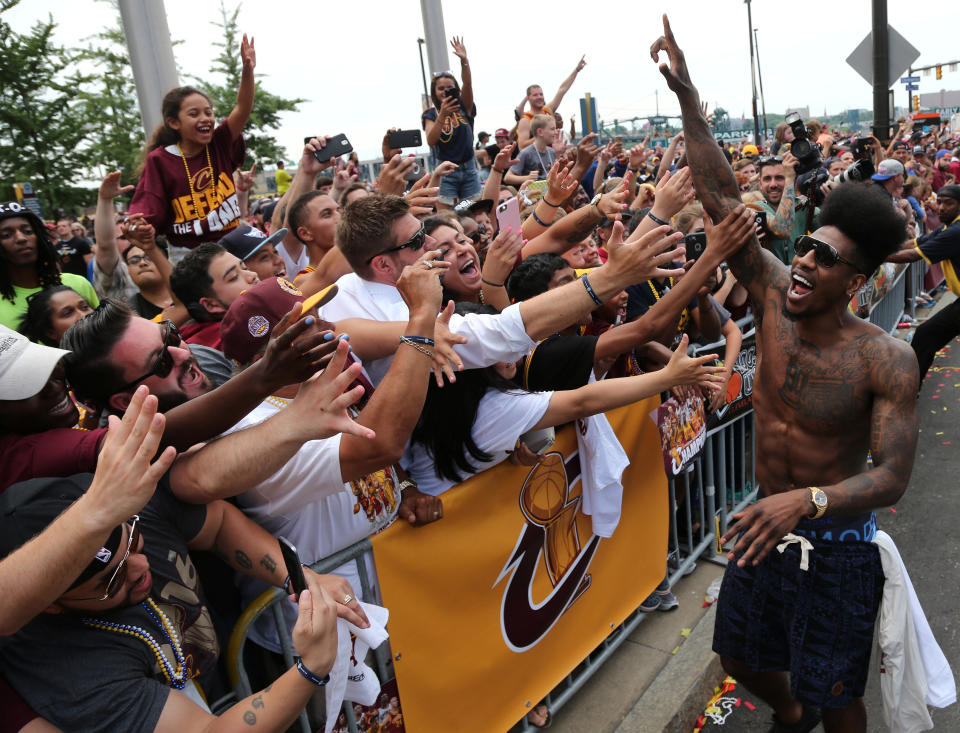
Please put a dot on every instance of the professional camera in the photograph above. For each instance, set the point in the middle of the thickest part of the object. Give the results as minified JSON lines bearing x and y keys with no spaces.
{"x":806,"y":152}
{"x":859,"y":170}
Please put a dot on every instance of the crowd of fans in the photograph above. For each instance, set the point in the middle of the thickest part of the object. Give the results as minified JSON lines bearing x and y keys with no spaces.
{"x":191,"y":379}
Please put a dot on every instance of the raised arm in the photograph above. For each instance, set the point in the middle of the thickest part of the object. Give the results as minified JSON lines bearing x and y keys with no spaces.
{"x":104,"y":228}
{"x":244,"y":106}
{"x":713,"y":177}
{"x":466,"y":79}
{"x":567,"y":83}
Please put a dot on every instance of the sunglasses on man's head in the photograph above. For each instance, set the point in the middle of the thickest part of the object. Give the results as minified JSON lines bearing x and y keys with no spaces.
{"x":414,"y":244}
{"x":163,"y":364}
{"x":119,"y":576}
{"x":823,"y":254}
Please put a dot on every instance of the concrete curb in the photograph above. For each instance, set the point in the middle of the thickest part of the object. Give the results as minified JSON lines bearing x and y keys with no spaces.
{"x":677,"y":696}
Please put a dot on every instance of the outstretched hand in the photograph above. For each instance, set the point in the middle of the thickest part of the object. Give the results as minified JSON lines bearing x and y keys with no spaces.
{"x":676,"y":74}
{"x":727,"y":237}
{"x":248,"y":54}
{"x":683,"y":369}
{"x":110,"y":188}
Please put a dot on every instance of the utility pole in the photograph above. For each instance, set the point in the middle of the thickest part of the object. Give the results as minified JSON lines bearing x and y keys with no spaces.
{"x":881,"y":71}
{"x":763,"y":100}
{"x":435,"y":35}
{"x":753,"y":77}
{"x":423,"y":72}
{"x":151,"y":56}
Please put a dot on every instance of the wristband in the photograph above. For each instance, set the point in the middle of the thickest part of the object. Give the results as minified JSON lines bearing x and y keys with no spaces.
{"x":307,"y":674}
{"x":633,"y":170}
{"x":498,"y":170}
{"x":422,"y":349}
{"x":537,"y":219}
{"x":544,"y":199}
{"x":492,"y":285}
{"x":425,"y":340}
{"x":590,"y":291}
{"x":658,"y":220}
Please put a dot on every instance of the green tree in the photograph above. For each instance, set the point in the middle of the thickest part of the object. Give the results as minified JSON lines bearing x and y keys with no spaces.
{"x":267,"y":107}
{"x":42,"y":125}
{"x":109,"y":104}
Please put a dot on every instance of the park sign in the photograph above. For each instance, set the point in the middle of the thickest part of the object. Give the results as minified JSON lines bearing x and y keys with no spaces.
{"x":737,"y":135}
{"x":902,"y":55}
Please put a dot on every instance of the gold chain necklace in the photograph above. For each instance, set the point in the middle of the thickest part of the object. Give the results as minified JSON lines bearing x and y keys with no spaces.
{"x":213,"y":181}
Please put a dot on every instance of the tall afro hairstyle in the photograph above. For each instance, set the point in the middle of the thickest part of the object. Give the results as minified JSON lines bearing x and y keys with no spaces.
{"x":865,"y":214}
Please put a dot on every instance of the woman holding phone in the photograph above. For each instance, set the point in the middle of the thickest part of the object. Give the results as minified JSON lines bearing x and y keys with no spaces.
{"x":449,"y":128}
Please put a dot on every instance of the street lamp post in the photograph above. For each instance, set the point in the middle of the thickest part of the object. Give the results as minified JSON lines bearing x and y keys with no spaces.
{"x":423,"y":72}
{"x":763,"y":101}
{"x":753,"y":76}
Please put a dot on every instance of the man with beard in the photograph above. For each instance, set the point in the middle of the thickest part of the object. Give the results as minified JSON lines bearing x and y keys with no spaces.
{"x":829,"y":388}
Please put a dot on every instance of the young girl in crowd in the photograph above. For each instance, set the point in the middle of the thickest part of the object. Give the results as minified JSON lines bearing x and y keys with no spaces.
{"x":473,"y":424}
{"x":186,"y":190}
{"x":51,"y":312}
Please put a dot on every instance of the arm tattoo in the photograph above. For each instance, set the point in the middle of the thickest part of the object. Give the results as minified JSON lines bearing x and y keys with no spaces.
{"x":584,"y":226}
{"x":258,"y":702}
{"x":782,"y":226}
{"x":249,"y":718}
{"x":269,"y":563}
{"x":243,"y":560}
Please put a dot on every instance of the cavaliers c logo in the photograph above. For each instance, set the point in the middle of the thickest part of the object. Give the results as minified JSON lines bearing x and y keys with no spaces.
{"x":551,"y":532}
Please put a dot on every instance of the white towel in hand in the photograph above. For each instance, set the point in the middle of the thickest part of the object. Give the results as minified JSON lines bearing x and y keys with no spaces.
{"x":602,"y":463}
{"x":351,"y":678}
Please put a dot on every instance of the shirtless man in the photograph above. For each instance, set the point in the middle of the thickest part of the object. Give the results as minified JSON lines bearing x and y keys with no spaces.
{"x":829,"y":388}
{"x":537,"y":106}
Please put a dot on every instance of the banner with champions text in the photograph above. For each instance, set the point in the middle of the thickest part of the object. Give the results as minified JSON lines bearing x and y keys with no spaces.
{"x":492,"y":606}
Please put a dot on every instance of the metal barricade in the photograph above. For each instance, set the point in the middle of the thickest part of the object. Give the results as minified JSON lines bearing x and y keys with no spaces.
{"x":888,"y":311}
{"x":916,"y":271}
{"x":270,"y":600}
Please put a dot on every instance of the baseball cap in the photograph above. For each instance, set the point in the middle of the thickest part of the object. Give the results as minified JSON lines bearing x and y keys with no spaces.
{"x":244,"y":240}
{"x":9,"y":209}
{"x":25,"y":366}
{"x":951,"y":191}
{"x":887,"y":169}
{"x":919,"y":150}
{"x":251,"y":318}
{"x":479,"y":205}
{"x":501,"y":132}
{"x":750,"y":151}
{"x":942,"y":154}
{"x":900,"y":145}
{"x":29,"y":507}
{"x":267,"y":210}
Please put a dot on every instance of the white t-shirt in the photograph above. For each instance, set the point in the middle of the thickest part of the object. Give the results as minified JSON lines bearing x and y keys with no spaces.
{"x":502,"y":417}
{"x":490,"y":338}
{"x":307,"y":502}
{"x":293,"y":266}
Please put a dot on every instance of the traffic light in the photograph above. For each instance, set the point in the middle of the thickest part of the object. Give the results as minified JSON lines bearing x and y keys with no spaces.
{"x":916,"y":102}
{"x":939,"y":72}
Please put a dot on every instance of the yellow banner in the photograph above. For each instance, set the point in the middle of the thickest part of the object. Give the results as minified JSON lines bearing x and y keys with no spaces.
{"x":492,"y":606}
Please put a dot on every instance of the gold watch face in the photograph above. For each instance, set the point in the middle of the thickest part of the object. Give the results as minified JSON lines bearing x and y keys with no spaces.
{"x":819,"y":498}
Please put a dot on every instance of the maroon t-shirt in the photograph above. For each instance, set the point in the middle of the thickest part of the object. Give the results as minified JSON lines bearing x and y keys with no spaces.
{"x":59,"y":452}
{"x":163,"y":192}
{"x":204,"y":334}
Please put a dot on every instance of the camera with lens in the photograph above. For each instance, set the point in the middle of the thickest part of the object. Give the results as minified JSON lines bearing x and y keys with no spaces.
{"x":859,"y":170}
{"x":806,"y":152}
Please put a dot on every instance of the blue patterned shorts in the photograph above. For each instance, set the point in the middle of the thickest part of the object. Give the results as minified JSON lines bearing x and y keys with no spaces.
{"x":816,"y":624}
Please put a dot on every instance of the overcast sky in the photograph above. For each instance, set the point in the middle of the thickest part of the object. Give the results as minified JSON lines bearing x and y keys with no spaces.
{"x":357,"y":62}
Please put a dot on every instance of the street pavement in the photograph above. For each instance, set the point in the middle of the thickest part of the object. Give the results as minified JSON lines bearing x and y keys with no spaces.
{"x":924,"y":526}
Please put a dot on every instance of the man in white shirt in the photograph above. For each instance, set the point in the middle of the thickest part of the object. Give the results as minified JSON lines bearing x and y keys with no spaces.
{"x":379,"y":237}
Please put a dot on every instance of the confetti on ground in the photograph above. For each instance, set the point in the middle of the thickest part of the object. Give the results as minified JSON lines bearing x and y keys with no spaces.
{"x":946,"y":442}
{"x":934,"y":397}
{"x":685,"y":632}
{"x":940,"y":433}
{"x":675,"y":650}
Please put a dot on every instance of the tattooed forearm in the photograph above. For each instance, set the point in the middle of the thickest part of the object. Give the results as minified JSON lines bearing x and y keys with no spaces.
{"x":782,"y":224}
{"x":249,"y":718}
{"x":243,"y":560}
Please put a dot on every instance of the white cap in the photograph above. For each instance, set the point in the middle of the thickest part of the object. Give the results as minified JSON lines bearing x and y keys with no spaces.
{"x":25,"y":366}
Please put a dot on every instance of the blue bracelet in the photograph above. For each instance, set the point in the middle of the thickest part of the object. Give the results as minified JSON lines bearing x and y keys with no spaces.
{"x":657,"y":219}
{"x":318,"y":681}
{"x":425,"y":340}
{"x":590,"y":292}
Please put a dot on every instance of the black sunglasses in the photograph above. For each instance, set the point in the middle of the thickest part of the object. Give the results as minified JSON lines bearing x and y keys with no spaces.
{"x":823,"y":254}
{"x":164,"y":363}
{"x":120,"y":572}
{"x":414,"y":244}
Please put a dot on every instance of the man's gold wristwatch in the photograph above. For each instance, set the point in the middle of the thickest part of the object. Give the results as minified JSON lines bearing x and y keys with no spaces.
{"x":596,"y":208}
{"x":819,"y":500}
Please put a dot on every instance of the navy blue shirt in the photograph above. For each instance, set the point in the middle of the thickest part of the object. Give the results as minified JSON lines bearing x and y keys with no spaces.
{"x":456,"y":136}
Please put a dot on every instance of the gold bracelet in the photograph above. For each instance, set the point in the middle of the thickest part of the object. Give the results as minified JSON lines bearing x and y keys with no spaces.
{"x":422,"y":349}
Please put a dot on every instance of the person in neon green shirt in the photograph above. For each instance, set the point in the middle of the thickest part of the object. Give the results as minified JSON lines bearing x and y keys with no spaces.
{"x":28,"y":264}
{"x":283,"y":178}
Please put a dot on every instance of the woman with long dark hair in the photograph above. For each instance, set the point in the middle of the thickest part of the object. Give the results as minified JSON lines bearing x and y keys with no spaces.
{"x":474,"y":423}
{"x":186,"y":189}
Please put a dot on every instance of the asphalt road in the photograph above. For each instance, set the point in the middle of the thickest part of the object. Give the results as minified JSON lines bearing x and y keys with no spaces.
{"x":924,"y":527}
